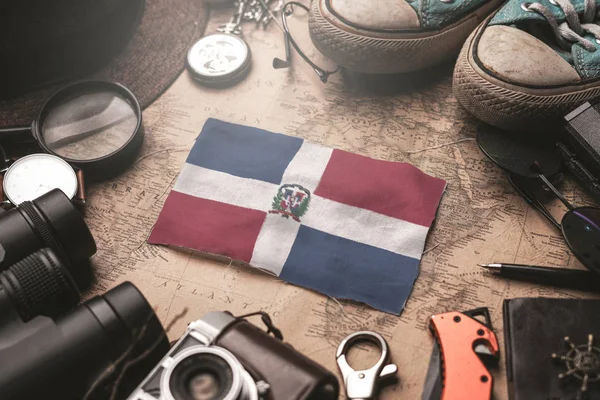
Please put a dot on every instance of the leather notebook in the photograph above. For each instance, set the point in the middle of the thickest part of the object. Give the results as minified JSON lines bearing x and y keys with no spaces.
{"x":545,"y":338}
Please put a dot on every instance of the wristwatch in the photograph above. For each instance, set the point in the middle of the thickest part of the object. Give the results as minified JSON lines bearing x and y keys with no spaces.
{"x":29,"y":177}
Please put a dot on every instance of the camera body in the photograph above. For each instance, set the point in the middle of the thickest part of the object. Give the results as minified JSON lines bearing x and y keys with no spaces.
{"x":579,"y":145}
{"x":223,"y":357}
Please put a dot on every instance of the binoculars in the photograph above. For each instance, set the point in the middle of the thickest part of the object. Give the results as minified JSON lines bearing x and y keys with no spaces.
{"x":49,"y":346}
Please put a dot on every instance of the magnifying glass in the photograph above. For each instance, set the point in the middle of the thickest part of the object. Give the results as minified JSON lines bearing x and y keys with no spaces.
{"x":93,"y":125}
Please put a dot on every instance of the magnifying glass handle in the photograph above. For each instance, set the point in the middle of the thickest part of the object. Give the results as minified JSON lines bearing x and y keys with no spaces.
{"x":19,"y":134}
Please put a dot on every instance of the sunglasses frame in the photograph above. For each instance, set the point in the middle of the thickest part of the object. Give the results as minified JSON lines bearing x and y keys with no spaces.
{"x":533,"y":201}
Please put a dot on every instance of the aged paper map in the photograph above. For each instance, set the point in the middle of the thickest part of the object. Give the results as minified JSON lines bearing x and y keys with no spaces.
{"x":412,"y":118}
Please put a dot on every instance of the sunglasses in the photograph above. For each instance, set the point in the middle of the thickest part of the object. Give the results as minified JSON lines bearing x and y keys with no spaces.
{"x":531,"y":167}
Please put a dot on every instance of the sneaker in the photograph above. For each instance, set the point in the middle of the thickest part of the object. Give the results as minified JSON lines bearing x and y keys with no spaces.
{"x":393,"y":36}
{"x":531,"y":63}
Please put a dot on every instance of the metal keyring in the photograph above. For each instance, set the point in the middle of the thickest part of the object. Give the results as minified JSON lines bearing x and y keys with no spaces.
{"x":362,"y":384}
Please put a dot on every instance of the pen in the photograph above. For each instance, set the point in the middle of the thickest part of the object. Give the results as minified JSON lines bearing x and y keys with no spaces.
{"x":560,"y":277}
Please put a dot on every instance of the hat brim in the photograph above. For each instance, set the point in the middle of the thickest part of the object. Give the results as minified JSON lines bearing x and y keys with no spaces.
{"x":149,"y":64}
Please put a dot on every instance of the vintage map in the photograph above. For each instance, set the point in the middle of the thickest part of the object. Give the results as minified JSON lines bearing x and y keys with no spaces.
{"x":410,"y":118}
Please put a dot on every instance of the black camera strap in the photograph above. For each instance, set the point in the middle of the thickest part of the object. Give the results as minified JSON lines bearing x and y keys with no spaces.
{"x":266,"y":319}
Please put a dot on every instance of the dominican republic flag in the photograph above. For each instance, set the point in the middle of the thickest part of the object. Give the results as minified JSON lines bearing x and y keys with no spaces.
{"x":345,"y":225}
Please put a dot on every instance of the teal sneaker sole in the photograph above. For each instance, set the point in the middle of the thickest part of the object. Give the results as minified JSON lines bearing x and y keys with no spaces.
{"x":384,"y":52}
{"x":510,"y":106}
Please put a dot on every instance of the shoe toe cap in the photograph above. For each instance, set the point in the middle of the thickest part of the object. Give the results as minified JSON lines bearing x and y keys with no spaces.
{"x":515,"y":56}
{"x":376,"y":14}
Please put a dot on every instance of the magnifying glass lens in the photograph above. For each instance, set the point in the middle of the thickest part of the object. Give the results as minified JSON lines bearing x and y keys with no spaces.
{"x":581,"y":228}
{"x":89,"y":125}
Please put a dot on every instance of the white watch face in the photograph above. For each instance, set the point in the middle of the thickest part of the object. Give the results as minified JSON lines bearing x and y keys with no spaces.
{"x":217,"y":55}
{"x":32,"y":176}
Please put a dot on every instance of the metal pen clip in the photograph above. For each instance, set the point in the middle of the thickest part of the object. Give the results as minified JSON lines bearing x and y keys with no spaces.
{"x":361,"y":385}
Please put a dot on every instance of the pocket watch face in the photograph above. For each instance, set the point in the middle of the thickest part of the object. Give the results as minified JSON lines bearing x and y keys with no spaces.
{"x":219,"y":58}
{"x":32,"y":176}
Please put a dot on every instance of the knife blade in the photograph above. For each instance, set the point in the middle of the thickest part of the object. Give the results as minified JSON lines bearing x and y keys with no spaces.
{"x":433,"y":380}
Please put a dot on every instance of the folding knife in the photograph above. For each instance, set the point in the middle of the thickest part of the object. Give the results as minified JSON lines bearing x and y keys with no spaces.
{"x":463,"y":346}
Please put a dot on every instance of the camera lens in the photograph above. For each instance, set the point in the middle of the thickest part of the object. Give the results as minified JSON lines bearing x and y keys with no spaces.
{"x":203,"y":386}
{"x":39,"y":285}
{"x":207,"y":373}
{"x":202,"y":376}
{"x":50,"y":221}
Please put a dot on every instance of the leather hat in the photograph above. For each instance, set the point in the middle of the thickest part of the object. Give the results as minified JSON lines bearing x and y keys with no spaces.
{"x":45,"y":44}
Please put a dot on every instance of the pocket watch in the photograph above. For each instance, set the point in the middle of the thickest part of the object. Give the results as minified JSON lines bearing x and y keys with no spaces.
{"x":220,"y":59}
{"x":29,"y":177}
{"x":223,"y":58}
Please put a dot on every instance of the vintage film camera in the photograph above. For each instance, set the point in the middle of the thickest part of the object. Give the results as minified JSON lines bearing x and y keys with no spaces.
{"x":221,"y":357}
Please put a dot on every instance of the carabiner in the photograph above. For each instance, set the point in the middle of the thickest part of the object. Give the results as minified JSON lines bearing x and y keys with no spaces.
{"x":362,"y":385}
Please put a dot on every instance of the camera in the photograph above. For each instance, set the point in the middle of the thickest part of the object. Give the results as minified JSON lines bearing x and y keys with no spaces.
{"x":221,"y":357}
{"x":579,"y":145}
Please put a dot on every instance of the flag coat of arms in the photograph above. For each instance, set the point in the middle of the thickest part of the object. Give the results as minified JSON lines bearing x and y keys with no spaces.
{"x":345,"y":225}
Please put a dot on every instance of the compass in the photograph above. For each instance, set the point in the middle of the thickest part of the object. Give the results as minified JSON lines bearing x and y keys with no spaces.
{"x":582,"y":362}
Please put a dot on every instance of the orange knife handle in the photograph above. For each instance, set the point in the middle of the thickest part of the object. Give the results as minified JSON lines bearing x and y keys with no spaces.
{"x":464,"y":374}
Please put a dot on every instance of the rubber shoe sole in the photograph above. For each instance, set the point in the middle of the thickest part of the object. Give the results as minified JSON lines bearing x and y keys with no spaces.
{"x":510,"y":106}
{"x":388,"y":51}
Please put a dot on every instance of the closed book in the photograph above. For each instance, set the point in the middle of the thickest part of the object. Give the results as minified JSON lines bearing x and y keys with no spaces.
{"x":535,"y":329}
